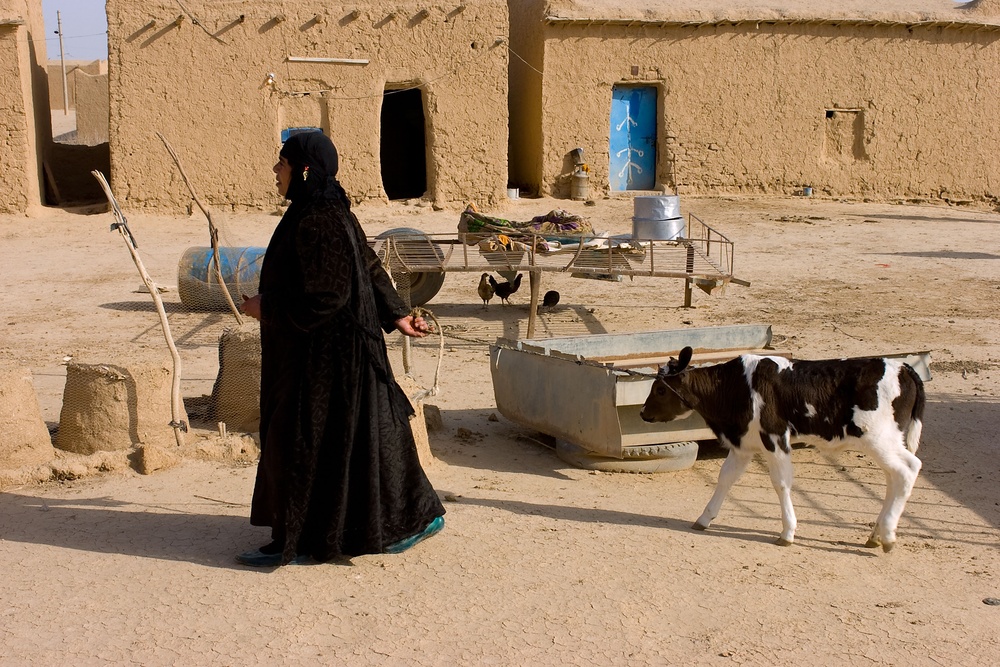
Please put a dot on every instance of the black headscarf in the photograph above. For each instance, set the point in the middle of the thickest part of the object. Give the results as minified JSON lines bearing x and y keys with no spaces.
{"x":314,"y":162}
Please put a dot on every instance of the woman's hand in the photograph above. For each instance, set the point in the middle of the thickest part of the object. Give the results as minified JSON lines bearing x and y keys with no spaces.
{"x":414,"y":327}
{"x":251,"y":306}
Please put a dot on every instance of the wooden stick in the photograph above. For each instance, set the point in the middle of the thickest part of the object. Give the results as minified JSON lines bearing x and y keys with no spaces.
{"x":195,"y":20}
{"x":535,"y":281}
{"x":213,"y":231}
{"x":179,"y":426}
{"x":51,"y":180}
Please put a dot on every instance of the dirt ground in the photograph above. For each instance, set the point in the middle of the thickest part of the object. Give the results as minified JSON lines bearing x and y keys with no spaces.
{"x":540,"y":563}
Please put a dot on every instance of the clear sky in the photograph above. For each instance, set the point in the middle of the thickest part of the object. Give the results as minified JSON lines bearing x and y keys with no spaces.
{"x":85,"y":28}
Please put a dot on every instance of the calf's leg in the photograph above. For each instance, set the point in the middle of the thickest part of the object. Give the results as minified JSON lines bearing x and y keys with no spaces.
{"x":732,"y":468}
{"x":779,"y":466}
{"x":901,"y":468}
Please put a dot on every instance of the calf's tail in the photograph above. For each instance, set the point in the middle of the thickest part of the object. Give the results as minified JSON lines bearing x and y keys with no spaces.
{"x":916,"y":425}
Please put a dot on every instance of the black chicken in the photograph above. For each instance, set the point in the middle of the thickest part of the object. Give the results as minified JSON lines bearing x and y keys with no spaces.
{"x":505,"y":289}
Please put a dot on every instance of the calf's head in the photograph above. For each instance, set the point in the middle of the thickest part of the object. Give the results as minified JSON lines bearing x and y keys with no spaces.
{"x":664,"y":402}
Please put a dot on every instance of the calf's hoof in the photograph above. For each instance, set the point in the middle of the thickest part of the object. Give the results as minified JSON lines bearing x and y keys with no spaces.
{"x":887,"y":546}
{"x":698,"y":526}
{"x":782,"y":542}
{"x":873,"y":542}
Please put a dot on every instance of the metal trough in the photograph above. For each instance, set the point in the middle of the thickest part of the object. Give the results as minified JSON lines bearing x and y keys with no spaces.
{"x":588,"y":390}
{"x":579,"y":388}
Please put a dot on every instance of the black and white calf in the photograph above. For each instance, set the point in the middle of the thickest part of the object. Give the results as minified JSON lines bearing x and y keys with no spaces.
{"x":758,"y":404}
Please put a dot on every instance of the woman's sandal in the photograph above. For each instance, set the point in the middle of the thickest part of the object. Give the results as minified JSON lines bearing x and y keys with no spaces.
{"x":432,"y":528}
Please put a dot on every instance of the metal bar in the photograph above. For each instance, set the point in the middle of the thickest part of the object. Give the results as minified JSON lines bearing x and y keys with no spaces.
{"x":339,"y":61}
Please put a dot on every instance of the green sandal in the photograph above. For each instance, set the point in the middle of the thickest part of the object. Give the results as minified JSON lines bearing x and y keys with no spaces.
{"x":432,"y":528}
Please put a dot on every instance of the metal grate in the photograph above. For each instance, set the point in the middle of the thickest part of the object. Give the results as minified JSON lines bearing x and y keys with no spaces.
{"x":703,"y":253}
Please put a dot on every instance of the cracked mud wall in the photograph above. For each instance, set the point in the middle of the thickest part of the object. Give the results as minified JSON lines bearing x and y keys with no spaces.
{"x":205,"y":86}
{"x":881,"y":111}
{"x":24,"y":113}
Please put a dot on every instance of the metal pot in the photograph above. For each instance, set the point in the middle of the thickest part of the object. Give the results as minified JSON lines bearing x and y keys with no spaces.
{"x":658,"y":230}
{"x":657,"y":208}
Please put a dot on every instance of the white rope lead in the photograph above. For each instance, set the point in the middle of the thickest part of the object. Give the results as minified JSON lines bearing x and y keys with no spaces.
{"x":420,"y":311}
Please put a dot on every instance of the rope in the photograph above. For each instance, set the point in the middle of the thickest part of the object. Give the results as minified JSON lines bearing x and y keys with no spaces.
{"x":593,"y":364}
{"x":626,"y":371}
{"x":420,"y":311}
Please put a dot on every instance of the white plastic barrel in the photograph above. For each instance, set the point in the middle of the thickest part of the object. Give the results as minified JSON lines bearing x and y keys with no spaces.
{"x":198,"y":286}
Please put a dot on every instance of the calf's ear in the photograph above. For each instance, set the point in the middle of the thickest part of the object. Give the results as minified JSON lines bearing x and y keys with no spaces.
{"x":685,"y":358}
{"x":675,"y":366}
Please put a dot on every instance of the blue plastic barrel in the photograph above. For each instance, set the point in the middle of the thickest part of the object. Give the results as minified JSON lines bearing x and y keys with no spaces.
{"x":198,"y":286}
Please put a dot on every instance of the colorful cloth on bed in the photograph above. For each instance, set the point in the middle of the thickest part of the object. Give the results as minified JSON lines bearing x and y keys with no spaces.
{"x":556,"y":225}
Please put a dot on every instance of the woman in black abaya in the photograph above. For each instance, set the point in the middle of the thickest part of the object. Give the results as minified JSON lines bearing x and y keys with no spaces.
{"x":338,"y":474}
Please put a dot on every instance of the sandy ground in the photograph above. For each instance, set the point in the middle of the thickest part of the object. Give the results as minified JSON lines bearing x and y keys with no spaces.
{"x":64,"y":125}
{"x":540,"y":563}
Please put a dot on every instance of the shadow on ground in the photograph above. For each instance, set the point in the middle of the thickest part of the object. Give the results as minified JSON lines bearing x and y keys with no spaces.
{"x":105,"y":525}
{"x":960,"y":451}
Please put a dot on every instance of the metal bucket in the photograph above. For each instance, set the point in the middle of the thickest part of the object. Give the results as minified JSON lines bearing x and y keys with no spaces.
{"x":658,"y":230}
{"x":657,"y":208}
{"x":580,"y":186}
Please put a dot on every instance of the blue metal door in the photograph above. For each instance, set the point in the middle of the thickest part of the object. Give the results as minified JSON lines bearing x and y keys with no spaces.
{"x":633,"y":138}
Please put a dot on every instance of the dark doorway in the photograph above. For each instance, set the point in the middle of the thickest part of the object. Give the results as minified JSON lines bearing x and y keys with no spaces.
{"x":403,"y":151}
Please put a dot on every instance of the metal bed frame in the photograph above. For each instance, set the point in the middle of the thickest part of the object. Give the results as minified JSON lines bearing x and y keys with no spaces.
{"x":701,"y":257}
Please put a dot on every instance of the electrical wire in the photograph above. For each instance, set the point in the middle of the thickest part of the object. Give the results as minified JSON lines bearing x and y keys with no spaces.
{"x":93,"y":34}
{"x":452,"y":72}
{"x":516,"y":55}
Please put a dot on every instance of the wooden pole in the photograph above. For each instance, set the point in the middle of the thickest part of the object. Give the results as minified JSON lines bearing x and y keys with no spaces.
{"x":179,"y":426}
{"x":689,"y":268}
{"x":213,"y":232}
{"x":62,"y":59}
{"x":535,"y":282}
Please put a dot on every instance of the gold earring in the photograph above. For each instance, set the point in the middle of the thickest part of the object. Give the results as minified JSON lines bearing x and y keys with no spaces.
{"x":305,"y":173}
